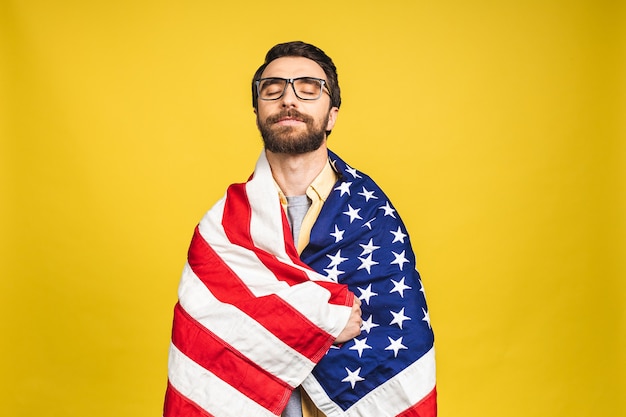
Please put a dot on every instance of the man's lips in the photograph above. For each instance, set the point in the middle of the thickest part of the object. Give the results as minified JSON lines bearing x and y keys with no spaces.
{"x":289,"y":121}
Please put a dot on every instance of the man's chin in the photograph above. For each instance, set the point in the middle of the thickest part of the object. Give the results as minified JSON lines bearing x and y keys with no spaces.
{"x":295,"y":146}
{"x":288,"y":131}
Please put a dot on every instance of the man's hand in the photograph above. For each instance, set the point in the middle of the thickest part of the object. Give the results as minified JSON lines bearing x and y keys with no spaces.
{"x":353,"y":327}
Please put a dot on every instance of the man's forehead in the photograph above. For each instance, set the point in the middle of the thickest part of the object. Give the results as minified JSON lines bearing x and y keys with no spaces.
{"x":293,"y":66}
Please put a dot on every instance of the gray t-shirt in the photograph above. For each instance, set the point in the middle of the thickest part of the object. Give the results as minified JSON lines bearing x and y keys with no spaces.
{"x":296,"y":210}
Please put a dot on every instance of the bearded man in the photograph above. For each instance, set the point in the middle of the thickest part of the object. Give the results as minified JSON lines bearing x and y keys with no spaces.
{"x":300,"y":296}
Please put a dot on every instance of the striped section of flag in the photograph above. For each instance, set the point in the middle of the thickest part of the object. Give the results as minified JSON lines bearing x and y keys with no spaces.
{"x":252,"y":320}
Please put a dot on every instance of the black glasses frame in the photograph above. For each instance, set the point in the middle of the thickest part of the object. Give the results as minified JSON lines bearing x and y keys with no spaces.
{"x":324,"y":87}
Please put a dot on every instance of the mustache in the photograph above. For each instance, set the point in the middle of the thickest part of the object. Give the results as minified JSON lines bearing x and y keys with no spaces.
{"x":291,"y":113}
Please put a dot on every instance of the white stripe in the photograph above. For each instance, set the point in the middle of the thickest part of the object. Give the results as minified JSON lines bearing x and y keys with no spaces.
{"x":266,"y":225}
{"x":221,"y":399}
{"x":241,"y":331}
{"x":312,"y":301}
{"x":389,"y":399}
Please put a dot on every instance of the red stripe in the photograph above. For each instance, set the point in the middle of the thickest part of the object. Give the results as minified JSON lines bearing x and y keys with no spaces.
{"x":237,"y":215}
{"x":272,"y":312}
{"x":177,"y":405}
{"x":212,"y":353}
{"x":427,"y":407}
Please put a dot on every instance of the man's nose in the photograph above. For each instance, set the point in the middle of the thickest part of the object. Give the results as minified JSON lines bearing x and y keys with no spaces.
{"x":289,"y":98}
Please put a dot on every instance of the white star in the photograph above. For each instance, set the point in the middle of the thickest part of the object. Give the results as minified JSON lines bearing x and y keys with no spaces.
{"x":399,"y":318}
{"x":336,"y":259}
{"x":353,"y":377}
{"x":367,"y":263}
{"x":399,"y":287}
{"x":426,"y":317}
{"x":398,"y":236}
{"x":368,"y":194}
{"x":360,"y":345}
{"x":395,"y":345}
{"x":366,"y":294}
{"x":352,"y":172}
{"x":368,"y":325}
{"x":422,"y":288}
{"x":333,"y":273}
{"x":337,"y":234}
{"x":353,"y":213}
{"x":388,"y":210}
{"x":344,"y":187}
{"x":369,"y":248}
{"x":400,"y":259}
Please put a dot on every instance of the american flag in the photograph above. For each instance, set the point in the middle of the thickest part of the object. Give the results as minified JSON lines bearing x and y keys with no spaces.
{"x":254,"y":320}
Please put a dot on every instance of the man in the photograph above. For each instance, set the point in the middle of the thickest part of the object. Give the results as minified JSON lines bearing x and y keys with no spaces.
{"x":282,"y":268}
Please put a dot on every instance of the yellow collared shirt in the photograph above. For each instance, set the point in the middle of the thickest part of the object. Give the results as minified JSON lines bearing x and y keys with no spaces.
{"x":317,"y":192}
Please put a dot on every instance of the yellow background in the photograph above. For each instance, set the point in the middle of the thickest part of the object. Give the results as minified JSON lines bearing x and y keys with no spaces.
{"x":497,"y":129}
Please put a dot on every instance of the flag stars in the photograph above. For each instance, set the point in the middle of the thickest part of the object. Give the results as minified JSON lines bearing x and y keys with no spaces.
{"x":353,"y":213}
{"x":388,"y":210}
{"x":395,"y":345}
{"x":333,"y":273}
{"x":368,"y":325}
{"x":367,"y":263}
{"x":344,"y":188}
{"x":426,"y":317}
{"x":352,"y":172}
{"x":353,"y":377}
{"x":399,"y":287}
{"x":368,"y":194}
{"x":360,"y":345}
{"x":398,"y":235}
{"x":336,"y":259}
{"x":366,"y":294}
{"x":369,"y":247}
{"x":399,"y":317}
{"x":400,"y":259}
{"x":337,"y":234}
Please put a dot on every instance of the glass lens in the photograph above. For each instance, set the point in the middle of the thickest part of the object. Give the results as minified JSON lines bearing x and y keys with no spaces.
{"x":271,"y":88}
{"x":308,"y":88}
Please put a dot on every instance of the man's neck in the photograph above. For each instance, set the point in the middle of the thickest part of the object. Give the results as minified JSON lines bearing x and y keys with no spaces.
{"x":294,"y":173}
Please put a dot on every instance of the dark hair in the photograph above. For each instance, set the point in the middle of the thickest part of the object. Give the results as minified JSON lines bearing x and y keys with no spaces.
{"x":305,"y":50}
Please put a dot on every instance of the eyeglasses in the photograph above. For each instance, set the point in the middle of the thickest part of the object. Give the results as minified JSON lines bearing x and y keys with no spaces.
{"x":305,"y":88}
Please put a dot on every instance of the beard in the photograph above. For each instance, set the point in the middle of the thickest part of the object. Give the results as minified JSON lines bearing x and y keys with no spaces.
{"x":288,"y":139}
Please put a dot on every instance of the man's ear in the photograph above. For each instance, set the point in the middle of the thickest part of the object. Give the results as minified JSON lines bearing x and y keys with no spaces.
{"x":256,"y":119}
{"x":332,"y":118}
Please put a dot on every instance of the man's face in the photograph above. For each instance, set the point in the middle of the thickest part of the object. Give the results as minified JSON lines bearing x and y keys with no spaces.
{"x":290,"y":125}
